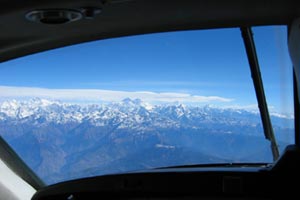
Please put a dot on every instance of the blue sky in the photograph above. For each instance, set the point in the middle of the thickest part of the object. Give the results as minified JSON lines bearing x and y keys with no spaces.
{"x":207,"y":66}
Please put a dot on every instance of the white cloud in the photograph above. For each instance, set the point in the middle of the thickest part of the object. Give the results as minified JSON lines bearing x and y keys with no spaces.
{"x":105,"y":95}
{"x":249,"y":107}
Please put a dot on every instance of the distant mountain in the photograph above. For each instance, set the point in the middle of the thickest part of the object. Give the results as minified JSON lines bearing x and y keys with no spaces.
{"x":61,"y":141}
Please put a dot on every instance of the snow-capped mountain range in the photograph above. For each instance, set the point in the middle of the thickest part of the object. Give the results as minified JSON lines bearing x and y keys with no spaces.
{"x":62,"y":141}
{"x":124,"y":112}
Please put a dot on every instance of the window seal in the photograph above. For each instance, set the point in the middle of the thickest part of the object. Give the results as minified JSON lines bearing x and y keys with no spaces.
{"x":296,"y":110}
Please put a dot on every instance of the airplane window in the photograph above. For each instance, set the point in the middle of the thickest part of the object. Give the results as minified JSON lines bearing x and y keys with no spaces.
{"x":143,"y":102}
{"x":277,"y":74}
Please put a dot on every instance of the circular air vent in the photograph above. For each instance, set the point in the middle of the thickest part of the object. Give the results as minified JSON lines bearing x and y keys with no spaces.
{"x":54,"y":16}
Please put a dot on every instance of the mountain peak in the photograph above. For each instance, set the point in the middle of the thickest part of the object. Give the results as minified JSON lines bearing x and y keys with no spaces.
{"x":138,"y":101}
{"x":41,"y":102}
{"x":129,"y":101}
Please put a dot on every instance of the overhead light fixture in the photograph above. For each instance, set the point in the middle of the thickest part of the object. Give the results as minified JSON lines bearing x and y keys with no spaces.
{"x":54,"y":16}
{"x":62,"y":16}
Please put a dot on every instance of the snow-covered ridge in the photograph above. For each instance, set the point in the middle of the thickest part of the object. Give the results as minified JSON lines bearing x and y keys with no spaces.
{"x":127,"y":113}
{"x":58,"y":139}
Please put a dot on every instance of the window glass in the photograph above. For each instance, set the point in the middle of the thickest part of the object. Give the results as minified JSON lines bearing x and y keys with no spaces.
{"x":134,"y":103}
{"x":277,"y":74}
